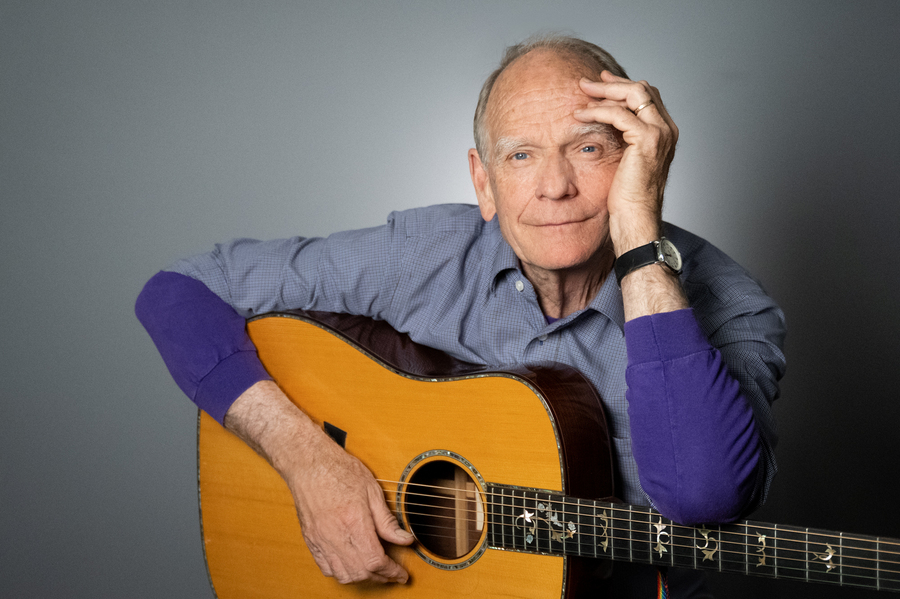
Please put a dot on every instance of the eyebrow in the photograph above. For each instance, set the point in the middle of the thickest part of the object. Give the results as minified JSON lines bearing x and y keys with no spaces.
{"x":608,"y":132}
{"x":506,"y":145}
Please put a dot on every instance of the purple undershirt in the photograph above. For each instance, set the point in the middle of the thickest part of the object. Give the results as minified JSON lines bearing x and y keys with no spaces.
{"x":708,"y":439}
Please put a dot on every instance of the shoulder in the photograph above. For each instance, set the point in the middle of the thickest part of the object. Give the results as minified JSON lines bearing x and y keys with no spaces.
{"x":706,"y":265}
{"x":718,"y":288}
{"x":441,"y":218}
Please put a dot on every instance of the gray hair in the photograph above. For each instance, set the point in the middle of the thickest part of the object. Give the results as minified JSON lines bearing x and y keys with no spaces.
{"x":589,"y":55}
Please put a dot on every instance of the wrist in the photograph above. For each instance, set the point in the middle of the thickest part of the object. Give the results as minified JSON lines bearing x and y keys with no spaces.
{"x":632,"y":230}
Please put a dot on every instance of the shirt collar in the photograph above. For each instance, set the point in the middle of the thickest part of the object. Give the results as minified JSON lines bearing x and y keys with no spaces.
{"x":608,"y":301}
{"x":504,"y":258}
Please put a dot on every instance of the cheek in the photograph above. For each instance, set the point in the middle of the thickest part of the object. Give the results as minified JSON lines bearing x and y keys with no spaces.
{"x":595,"y":180}
{"x":512,"y":192}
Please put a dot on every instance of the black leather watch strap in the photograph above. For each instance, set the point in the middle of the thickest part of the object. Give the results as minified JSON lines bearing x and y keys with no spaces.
{"x":661,"y":250}
{"x":635,"y":259}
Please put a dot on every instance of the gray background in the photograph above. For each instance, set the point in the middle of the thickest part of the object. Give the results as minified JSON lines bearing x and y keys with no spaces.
{"x":133,"y":133}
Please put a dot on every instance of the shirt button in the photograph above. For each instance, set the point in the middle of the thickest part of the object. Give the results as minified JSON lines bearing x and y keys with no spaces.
{"x":520,"y":286}
{"x":542,"y":338}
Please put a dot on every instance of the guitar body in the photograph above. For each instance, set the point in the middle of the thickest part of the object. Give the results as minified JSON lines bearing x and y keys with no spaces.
{"x":402,"y":407}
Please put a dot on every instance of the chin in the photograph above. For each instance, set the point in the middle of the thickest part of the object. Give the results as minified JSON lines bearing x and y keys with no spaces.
{"x":565,"y":261}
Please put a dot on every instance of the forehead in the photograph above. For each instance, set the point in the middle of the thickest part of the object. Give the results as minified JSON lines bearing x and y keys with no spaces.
{"x":539,"y":89}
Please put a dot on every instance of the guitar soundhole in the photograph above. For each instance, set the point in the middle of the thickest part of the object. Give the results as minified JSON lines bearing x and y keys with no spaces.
{"x":444,"y":510}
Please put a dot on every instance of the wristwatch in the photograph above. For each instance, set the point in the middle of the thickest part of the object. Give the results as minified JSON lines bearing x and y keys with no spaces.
{"x":660,"y":251}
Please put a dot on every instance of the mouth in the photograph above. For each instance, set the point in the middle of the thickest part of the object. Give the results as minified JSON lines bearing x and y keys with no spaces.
{"x":563,"y":223}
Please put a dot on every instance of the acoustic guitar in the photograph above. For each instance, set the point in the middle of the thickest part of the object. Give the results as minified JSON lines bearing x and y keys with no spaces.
{"x":499,"y":474}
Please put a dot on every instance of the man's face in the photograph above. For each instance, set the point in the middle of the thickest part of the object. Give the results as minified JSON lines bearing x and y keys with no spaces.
{"x":549,"y":175}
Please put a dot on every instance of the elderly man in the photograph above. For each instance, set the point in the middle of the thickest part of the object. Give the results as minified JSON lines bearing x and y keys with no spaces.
{"x":565,"y":259}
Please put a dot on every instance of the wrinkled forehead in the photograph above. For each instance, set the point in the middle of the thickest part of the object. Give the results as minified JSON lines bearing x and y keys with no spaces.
{"x":538,"y":85}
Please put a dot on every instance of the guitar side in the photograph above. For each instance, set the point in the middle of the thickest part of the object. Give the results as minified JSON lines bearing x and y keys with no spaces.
{"x":502,"y":423}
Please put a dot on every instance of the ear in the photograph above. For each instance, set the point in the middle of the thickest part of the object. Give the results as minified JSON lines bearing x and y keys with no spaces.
{"x":481,"y":181}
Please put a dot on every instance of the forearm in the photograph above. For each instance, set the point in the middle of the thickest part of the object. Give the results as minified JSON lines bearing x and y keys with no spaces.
{"x":694,"y":434}
{"x":265,"y":419}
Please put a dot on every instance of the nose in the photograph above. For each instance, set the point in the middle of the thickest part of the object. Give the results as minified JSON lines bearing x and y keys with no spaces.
{"x":555,"y":179}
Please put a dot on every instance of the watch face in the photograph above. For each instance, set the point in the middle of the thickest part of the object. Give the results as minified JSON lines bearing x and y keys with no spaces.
{"x":671,"y":255}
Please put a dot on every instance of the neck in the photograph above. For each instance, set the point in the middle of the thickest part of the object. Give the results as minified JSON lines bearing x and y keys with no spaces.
{"x":562,"y":292}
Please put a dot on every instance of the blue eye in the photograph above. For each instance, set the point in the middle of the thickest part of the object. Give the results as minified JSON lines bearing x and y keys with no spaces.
{"x":589,"y":149}
{"x":520,"y":156}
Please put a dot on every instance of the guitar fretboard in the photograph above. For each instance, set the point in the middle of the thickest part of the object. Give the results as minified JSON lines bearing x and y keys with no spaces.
{"x":547,"y":523}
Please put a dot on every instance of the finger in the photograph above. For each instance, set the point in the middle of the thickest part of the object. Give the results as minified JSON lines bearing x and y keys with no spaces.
{"x":663,"y":111}
{"x":618,"y":116}
{"x":632,"y":94}
{"x":613,"y":87}
{"x":384,"y":569}
{"x":319,"y":557}
{"x":609,"y":77}
{"x":357,"y":559}
{"x":367,"y":554}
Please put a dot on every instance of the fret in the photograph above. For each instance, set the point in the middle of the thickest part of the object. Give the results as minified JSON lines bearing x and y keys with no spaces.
{"x":662,"y":540}
{"x":760,"y":540}
{"x":773,"y":543}
{"x":543,"y":533}
{"x":684,"y":546}
{"x":791,"y":553}
{"x":641,"y":546}
{"x":707,"y":548}
{"x":492,"y":515}
{"x":519,"y":512}
{"x":748,"y":553}
{"x":506,"y":518}
{"x":888,"y":572}
{"x":737,"y":544}
{"x":507,"y":506}
{"x":826,"y":558}
{"x":604,"y":530}
{"x":584,"y":535}
{"x":620,"y":532}
{"x":493,"y":524}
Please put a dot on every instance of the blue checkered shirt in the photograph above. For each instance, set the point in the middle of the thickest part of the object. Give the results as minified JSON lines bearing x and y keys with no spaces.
{"x":450,"y":280}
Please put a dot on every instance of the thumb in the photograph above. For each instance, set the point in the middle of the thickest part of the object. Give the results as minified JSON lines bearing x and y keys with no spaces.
{"x":386,"y":524}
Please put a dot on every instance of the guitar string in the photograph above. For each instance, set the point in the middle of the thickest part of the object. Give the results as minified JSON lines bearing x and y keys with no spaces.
{"x":635,"y":510}
{"x":672,"y":536}
{"x":785,"y":564}
{"x":631,"y":509}
{"x":784,"y":561}
{"x":674,"y":526}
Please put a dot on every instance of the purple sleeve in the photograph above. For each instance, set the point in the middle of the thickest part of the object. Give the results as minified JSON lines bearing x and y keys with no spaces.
{"x":202,"y":340}
{"x":694,"y":436}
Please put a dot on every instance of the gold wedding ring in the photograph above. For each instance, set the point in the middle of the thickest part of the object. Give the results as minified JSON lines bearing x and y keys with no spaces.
{"x":642,"y":106}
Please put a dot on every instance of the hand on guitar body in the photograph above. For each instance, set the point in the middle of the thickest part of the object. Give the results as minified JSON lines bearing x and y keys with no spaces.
{"x":341,"y":507}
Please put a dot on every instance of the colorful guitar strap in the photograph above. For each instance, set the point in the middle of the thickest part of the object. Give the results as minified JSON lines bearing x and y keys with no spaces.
{"x":662,"y":584}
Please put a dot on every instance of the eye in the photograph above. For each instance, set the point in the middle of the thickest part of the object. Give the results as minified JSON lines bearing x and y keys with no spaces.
{"x":587,"y":149}
{"x":520,"y":156}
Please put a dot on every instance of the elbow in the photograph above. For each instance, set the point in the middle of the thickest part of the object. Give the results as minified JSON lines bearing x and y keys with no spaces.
{"x":710,"y":491}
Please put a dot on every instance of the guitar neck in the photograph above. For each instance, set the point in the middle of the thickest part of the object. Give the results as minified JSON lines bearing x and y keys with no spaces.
{"x":546,"y":523}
